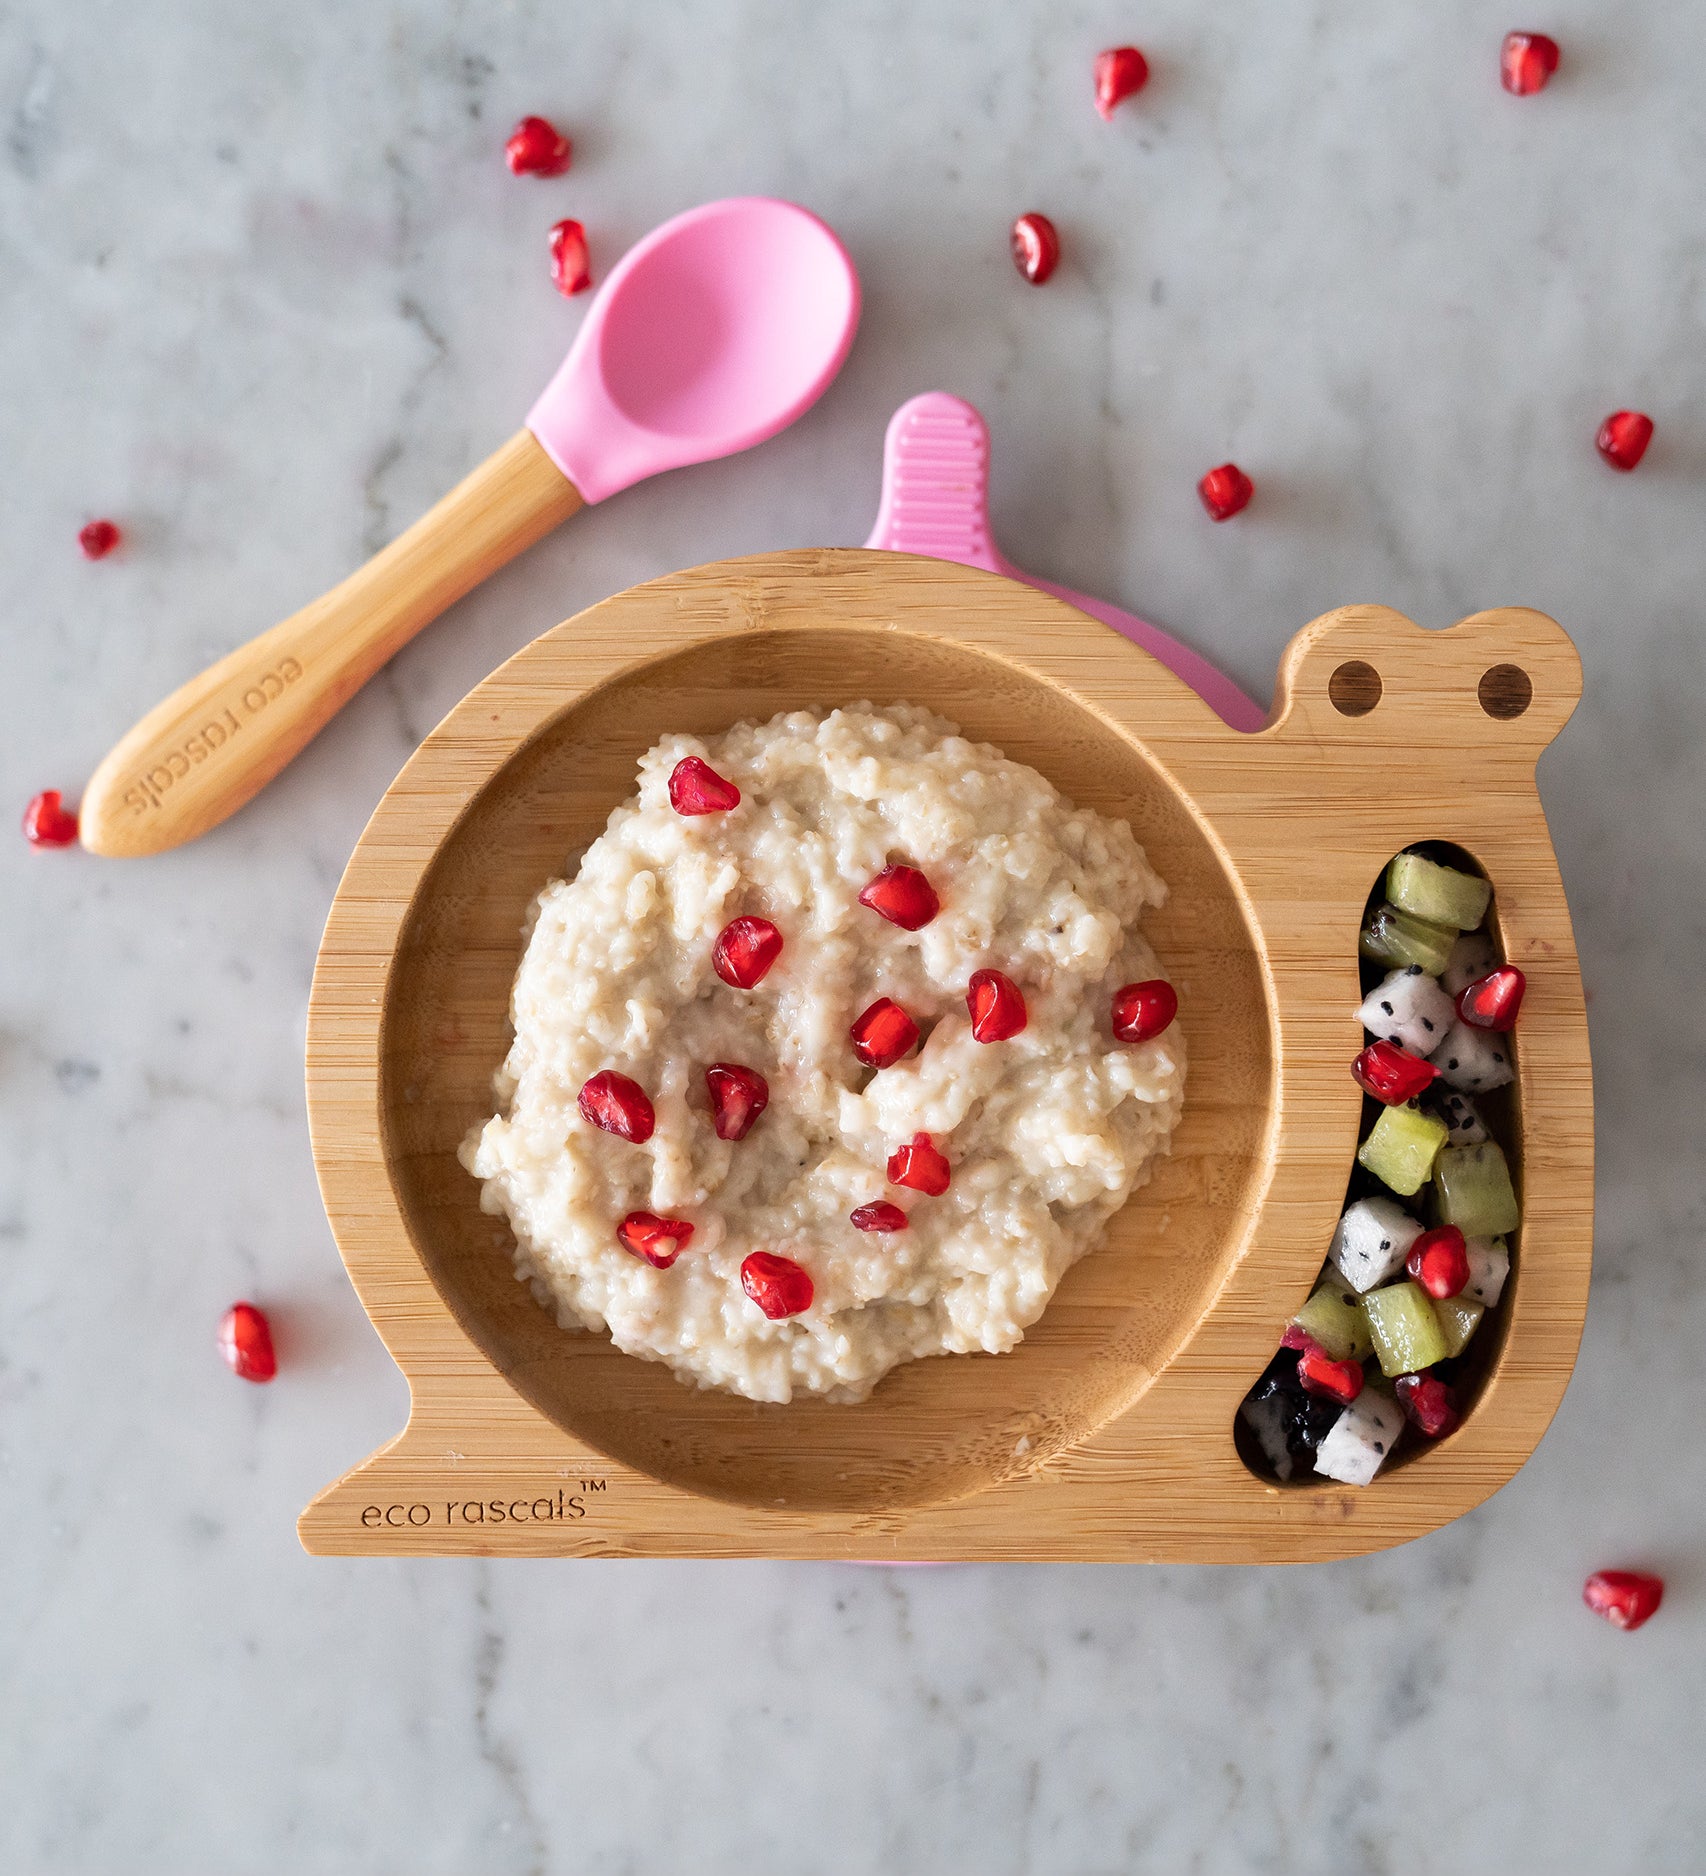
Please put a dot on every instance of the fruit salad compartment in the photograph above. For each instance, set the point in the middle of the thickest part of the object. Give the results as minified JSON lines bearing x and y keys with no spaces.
{"x":1400,"y":1330}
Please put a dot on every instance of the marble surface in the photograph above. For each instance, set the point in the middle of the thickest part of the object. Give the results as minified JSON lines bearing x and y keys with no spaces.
{"x":265,"y":291}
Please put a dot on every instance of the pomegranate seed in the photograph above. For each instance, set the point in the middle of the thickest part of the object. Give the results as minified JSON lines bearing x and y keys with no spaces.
{"x":879,"y":1215}
{"x":745,"y":950}
{"x":776,"y":1284}
{"x":920,"y":1166}
{"x":1120,"y":71}
{"x":696,"y":788}
{"x":1626,"y":1598}
{"x":1526,"y":61}
{"x":997,"y":1006}
{"x":617,"y":1105}
{"x":660,"y":1241}
{"x":1295,"y":1337}
{"x":1429,"y":1405}
{"x":1439,"y":1262}
{"x":1493,"y":1001}
{"x":1036,"y":247}
{"x":1332,"y":1380}
{"x":571,"y":268}
{"x":1225,"y":490}
{"x":98,"y":539}
{"x":1623,"y":438}
{"x":536,"y":147}
{"x":904,"y":897}
{"x":738,"y":1096}
{"x":1142,"y":1011}
{"x":48,"y":822}
{"x":1392,"y":1074}
{"x":245,"y":1341}
{"x":882,"y":1034}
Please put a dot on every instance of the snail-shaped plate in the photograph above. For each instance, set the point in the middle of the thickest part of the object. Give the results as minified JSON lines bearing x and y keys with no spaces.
{"x":1109,"y":1433}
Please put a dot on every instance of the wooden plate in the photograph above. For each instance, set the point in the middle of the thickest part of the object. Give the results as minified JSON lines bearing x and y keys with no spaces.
{"x":1109,"y":1433}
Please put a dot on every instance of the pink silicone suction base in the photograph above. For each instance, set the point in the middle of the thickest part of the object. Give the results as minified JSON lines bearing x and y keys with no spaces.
{"x":936,"y":501}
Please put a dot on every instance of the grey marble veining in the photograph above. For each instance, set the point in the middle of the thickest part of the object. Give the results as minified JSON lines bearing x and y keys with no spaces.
{"x":265,"y":292}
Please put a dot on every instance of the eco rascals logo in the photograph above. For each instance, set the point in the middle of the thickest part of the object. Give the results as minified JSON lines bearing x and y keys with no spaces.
{"x":560,"y":1507}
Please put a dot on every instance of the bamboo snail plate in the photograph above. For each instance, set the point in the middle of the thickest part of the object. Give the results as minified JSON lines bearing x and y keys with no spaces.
{"x":1108,"y":1434}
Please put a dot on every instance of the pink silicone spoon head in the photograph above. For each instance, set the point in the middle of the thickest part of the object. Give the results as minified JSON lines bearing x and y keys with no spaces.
{"x":936,"y":502}
{"x":711,"y":334}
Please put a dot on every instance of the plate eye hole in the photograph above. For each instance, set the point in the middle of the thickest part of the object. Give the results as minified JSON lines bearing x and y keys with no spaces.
{"x":1505,"y":691}
{"x":1354,"y":689}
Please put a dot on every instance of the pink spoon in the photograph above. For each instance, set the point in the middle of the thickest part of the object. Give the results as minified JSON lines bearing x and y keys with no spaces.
{"x":936,"y":502}
{"x":713,"y":333}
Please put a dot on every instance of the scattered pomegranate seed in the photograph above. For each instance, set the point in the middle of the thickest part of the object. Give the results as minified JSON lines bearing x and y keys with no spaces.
{"x":696,"y":788}
{"x":1439,"y":1262}
{"x":738,"y":1096}
{"x":660,"y":1241}
{"x":920,"y":1166}
{"x":879,"y":1215}
{"x":48,"y":822}
{"x":1142,"y":1011}
{"x":1626,"y":1598}
{"x":997,"y":1006}
{"x":882,"y":1034}
{"x":1225,"y":490}
{"x":745,"y":950}
{"x":1294,"y":1337}
{"x":1120,"y":71}
{"x":617,"y":1105}
{"x":1623,"y":438}
{"x":1429,"y":1405}
{"x":1036,"y":247}
{"x":1333,"y":1380}
{"x":1493,"y":1001}
{"x":776,"y":1284}
{"x":1392,"y":1074}
{"x":1526,"y":61}
{"x":904,"y":897}
{"x":245,"y":1341}
{"x":98,"y":539}
{"x":536,"y":147}
{"x":571,"y":267}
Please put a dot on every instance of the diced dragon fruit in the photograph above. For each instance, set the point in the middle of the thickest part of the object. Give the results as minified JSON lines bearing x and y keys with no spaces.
{"x":1372,"y":1241}
{"x":1489,"y":1267}
{"x":1289,"y":1422}
{"x":1357,"y":1445}
{"x":1474,"y":1059}
{"x":1472,"y":956}
{"x":1464,"y":1125}
{"x":1410,"y":1009}
{"x":1266,"y":1419}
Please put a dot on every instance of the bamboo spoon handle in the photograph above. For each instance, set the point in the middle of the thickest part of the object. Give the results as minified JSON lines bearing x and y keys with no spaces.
{"x":219,"y":740}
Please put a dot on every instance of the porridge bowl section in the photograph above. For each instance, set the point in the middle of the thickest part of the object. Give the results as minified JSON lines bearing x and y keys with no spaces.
{"x":1105,"y":1433}
{"x":932,"y":1430}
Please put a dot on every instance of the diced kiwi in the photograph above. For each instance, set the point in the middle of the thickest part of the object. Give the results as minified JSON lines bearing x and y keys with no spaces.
{"x":1440,"y":894}
{"x":1459,"y":1318}
{"x":1472,"y":1189}
{"x":1394,"y":938}
{"x":1333,"y":1317}
{"x":1407,"y":1333}
{"x":1402,"y":1148}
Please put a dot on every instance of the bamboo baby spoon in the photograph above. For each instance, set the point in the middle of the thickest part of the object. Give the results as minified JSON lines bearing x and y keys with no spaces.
{"x":712,"y":334}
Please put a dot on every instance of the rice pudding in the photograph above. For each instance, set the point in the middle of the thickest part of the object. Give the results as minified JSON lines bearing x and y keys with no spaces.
{"x":839,"y":1049}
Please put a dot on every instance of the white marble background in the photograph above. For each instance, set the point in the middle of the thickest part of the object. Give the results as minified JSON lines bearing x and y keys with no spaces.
{"x":265,"y":291}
